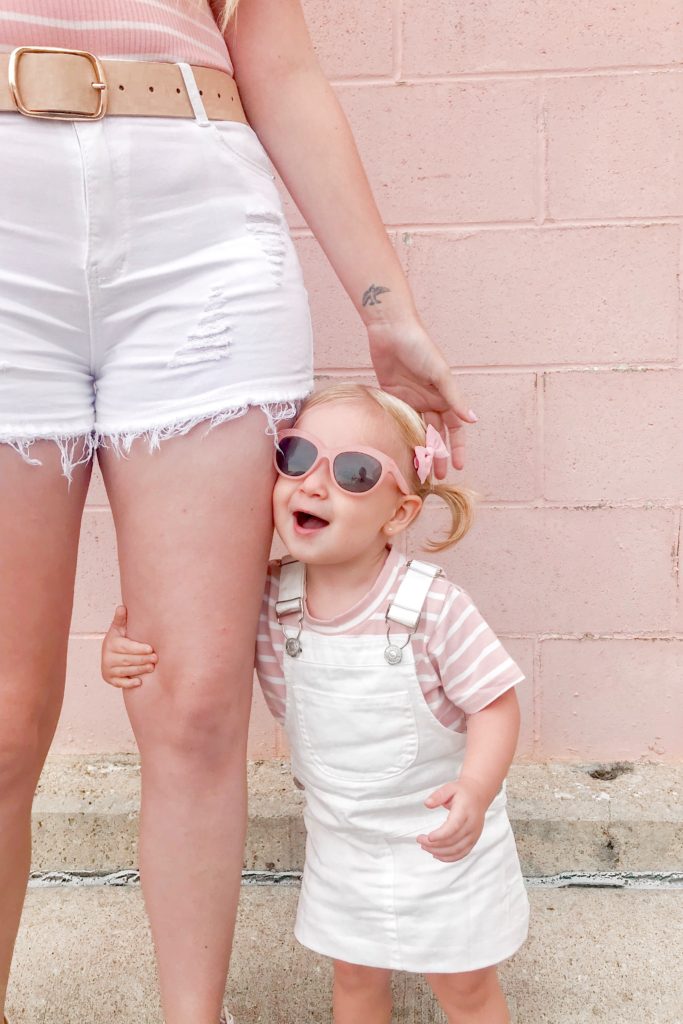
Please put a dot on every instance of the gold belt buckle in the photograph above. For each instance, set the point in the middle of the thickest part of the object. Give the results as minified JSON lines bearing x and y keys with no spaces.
{"x":99,"y":85}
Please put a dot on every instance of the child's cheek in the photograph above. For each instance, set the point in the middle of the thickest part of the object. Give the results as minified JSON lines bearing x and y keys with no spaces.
{"x":280,"y":499}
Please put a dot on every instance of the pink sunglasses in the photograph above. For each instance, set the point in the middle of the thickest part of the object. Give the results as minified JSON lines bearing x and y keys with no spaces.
{"x":354,"y":470}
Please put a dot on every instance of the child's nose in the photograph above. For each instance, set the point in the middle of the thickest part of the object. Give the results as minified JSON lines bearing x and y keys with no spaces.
{"x":318,"y":481}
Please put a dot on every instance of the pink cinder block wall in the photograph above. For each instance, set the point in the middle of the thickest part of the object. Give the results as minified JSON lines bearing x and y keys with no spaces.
{"x":527,"y":158}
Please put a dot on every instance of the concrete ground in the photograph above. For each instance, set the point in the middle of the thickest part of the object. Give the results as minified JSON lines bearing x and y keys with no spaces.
{"x":611,"y":955}
{"x":84,"y":956}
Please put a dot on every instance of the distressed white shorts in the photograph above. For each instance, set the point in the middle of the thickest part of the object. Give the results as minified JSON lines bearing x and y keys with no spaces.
{"x":148,"y":282}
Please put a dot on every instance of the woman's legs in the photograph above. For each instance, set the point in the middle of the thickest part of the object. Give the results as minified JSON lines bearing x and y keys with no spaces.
{"x":39,"y":528}
{"x":473,"y":997}
{"x":361,"y":994}
{"x":194,"y":530}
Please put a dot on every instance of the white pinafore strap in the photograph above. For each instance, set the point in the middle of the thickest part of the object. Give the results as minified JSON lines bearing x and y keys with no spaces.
{"x":292,"y":587}
{"x":406,"y":608}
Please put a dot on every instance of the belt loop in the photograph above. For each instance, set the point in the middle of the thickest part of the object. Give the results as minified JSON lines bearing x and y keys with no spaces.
{"x":193,"y":95}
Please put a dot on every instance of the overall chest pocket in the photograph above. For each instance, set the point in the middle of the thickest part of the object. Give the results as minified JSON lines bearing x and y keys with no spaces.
{"x":355,"y":738}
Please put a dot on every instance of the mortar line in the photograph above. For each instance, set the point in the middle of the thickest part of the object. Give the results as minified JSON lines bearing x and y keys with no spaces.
{"x":679,"y":318}
{"x":541,"y":155}
{"x":536,"y":697}
{"x":512,"y":75}
{"x":513,"y":635}
{"x":129,"y":877}
{"x":517,"y":368}
{"x":518,"y":224}
{"x":397,"y":40}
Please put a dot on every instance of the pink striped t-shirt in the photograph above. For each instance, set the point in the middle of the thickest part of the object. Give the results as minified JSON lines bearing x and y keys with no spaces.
{"x":165,"y":30}
{"x":461,"y":664}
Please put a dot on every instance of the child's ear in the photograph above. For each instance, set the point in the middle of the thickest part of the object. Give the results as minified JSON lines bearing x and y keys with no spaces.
{"x":405,"y":513}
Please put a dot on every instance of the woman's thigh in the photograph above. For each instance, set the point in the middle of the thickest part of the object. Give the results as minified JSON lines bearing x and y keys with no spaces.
{"x":194,"y":527}
{"x":40,"y":518}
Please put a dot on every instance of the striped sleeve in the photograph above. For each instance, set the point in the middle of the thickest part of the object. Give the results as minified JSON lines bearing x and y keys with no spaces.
{"x":270,"y":649}
{"x":473,"y":666}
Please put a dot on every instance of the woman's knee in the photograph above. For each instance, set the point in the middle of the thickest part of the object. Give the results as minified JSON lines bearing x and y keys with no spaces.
{"x":193,"y":709}
{"x":25,"y":736}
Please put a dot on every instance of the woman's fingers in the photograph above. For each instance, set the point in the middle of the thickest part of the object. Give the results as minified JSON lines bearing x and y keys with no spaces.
{"x":456,"y":406}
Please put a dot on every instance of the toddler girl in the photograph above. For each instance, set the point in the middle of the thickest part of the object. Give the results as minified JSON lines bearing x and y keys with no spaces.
{"x":399,"y":704}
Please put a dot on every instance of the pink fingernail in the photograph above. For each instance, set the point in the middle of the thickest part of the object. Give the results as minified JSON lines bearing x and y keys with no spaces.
{"x":472,"y":414}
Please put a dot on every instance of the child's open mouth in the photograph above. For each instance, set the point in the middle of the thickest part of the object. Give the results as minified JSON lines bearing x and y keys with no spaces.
{"x":307,"y":522}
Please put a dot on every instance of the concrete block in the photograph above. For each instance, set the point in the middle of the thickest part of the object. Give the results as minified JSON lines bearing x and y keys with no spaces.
{"x":445,"y":153}
{"x":615,"y":146}
{"x":636,"y":452}
{"x":614,"y":699}
{"x":343,"y":50}
{"x":442,"y":38}
{"x":501,"y":447}
{"x":86,"y":809}
{"x":564,"y":570}
{"x":579,"y":295}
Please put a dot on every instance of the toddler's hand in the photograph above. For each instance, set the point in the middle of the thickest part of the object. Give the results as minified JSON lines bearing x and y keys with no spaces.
{"x":125,"y":661}
{"x":466,"y":809}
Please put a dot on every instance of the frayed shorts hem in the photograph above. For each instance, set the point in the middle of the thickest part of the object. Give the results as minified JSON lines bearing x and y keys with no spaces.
{"x":78,"y":448}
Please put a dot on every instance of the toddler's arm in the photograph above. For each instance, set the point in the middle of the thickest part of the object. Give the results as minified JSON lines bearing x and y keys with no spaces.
{"x":125,"y":661}
{"x":491,"y":740}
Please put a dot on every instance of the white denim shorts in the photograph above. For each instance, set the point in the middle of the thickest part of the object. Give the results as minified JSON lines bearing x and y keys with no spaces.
{"x":148,"y":282}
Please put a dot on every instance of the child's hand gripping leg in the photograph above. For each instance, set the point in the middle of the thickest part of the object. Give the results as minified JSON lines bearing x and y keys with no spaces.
{"x":361,"y":994}
{"x":125,"y":661}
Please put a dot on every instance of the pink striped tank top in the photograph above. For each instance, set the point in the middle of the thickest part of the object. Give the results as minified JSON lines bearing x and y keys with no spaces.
{"x":166,"y":30}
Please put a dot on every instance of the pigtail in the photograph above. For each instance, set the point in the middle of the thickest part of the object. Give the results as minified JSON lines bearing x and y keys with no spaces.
{"x":460,"y":503}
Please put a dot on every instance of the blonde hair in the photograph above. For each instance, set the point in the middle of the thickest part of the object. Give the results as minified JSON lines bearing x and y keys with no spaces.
{"x":411,"y":428}
{"x":223,"y":12}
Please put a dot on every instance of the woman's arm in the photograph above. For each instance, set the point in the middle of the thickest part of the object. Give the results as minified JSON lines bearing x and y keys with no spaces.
{"x":300,"y":122}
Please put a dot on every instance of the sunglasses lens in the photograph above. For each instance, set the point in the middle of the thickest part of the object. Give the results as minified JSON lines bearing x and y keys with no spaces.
{"x":356,"y":472}
{"x":295,"y":455}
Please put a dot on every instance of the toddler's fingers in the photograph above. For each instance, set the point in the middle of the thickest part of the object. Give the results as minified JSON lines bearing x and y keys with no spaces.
{"x":122,"y":645}
{"x":441,"y":795}
{"x":123,"y":684}
{"x":453,"y":853}
{"x":452,"y":850}
{"x":128,"y":660}
{"x":452,"y":827}
{"x":129,"y":671}
{"x":119,"y":620}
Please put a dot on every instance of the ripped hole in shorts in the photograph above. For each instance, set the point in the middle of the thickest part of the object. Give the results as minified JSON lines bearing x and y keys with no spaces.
{"x":267,"y":228}
{"x":210,"y":339}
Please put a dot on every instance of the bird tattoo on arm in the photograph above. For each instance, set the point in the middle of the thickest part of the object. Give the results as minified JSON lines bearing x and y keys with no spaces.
{"x":371,"y":296}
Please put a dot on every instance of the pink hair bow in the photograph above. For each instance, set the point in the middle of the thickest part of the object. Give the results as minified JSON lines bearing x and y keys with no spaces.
{"x":424,"y":457}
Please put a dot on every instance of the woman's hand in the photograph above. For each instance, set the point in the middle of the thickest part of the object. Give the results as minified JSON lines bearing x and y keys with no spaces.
{"x":410,"y":366}
{"x":466,"y":805}
{"x":125,"y":661}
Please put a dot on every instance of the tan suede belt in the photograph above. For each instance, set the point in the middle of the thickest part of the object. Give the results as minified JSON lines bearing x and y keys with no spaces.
{"x":74,"y":85}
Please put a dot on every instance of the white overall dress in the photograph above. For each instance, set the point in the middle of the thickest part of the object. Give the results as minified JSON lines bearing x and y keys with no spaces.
{"x":368,"y":751}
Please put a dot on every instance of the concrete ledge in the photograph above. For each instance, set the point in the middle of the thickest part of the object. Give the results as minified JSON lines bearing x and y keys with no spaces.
{"x":628,"y":818}
{"x":84,"y":956}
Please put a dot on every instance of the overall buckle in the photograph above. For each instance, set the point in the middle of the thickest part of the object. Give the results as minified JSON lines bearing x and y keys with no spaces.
{"x":100,"y":85}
